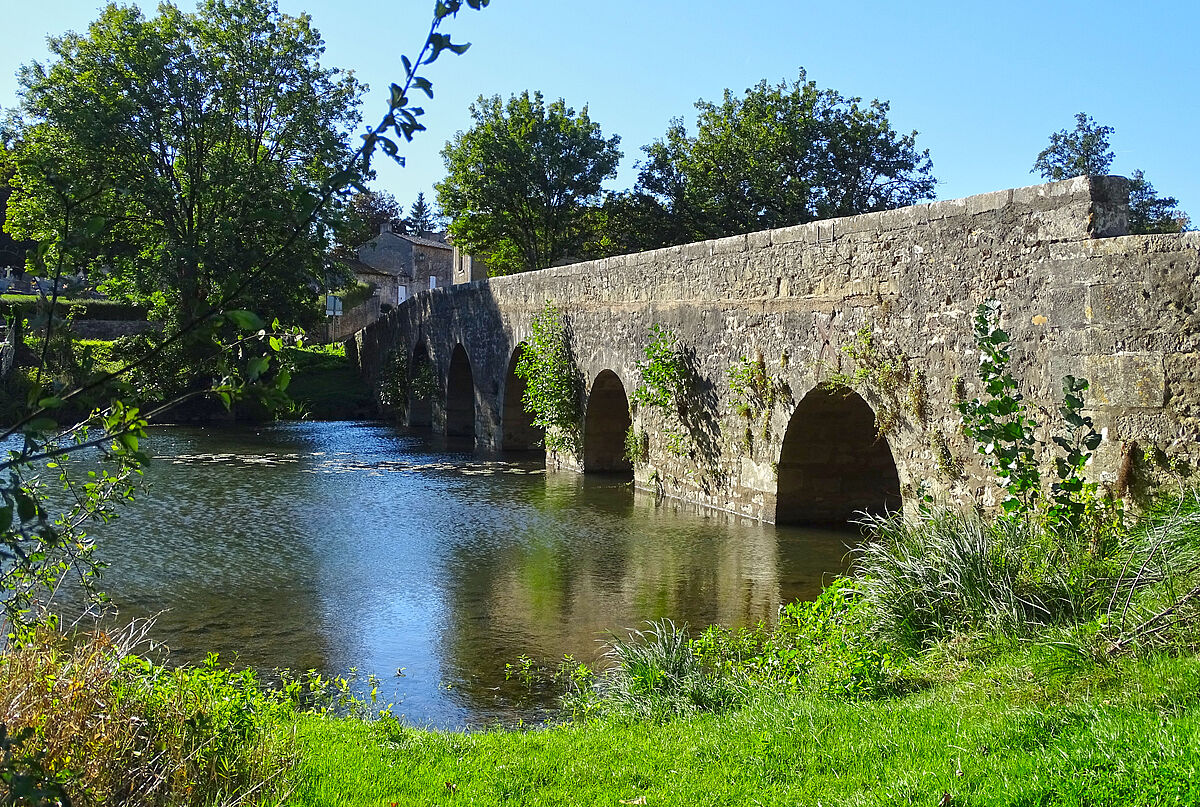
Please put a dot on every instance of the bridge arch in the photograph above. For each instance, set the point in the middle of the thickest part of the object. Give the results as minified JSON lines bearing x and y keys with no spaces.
{"x":460,"y":395}
{"x":832,"y":464}
{"x":517,"y":432}
{"x":604,"y":426}
{"x":420,"y":385}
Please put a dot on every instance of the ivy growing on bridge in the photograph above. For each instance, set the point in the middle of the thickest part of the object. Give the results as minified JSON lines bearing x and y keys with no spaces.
{"x":664,"y":386}
{"x":553,"y":384}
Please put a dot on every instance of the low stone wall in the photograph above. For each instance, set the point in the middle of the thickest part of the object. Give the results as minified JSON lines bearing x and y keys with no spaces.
{"x":1078,"y":297}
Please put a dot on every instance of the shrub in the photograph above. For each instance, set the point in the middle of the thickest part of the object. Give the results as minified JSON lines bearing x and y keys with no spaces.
{"x":118,"y":729}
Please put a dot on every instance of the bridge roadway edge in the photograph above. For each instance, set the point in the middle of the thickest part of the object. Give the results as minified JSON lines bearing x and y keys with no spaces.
{"x":1078,"y":297}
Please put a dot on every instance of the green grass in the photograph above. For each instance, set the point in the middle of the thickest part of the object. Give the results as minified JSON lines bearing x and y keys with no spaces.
{"x":325,"y":385}
{"x":1008,"y":731}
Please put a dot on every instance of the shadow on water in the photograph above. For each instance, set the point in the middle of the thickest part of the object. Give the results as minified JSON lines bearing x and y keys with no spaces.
{"x":350,"y":545}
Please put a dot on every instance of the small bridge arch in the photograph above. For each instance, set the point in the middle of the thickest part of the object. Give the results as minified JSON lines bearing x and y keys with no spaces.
{"x":518,"y":433}
{"x":460,"y":395}
{"x":605,"y":423}
{"x":420,"y":376}
{"x":833,"y":464}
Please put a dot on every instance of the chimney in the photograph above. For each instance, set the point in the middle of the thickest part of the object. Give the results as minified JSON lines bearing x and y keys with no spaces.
{"x":385,"y":228}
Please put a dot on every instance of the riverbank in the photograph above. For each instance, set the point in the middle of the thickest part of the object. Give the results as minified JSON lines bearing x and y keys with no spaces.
{"x":1012,"y":725}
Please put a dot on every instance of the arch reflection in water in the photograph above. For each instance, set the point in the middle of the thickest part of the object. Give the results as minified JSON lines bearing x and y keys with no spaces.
{"x":833,"y":464}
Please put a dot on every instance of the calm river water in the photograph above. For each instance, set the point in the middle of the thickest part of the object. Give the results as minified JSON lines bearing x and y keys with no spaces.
{"x":355,"y":545}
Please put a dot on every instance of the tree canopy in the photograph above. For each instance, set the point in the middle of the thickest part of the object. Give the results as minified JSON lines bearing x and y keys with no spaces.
{"x":175,"y":153}
{"x":775,"y":156}
{"x":1086,"y":151}
{"x":366,"y":213}
{"x":520,"y":181}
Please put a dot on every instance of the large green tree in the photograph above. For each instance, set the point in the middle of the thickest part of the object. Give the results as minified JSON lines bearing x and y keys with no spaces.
{"x":521,"y":183}
{"x":1086,"y":151}
{"x":775,"y":156}
{"x":177,"y":153}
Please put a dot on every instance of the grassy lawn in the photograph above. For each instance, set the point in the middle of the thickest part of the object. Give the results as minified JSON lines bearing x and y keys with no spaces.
{"x":1017,"y":728}
{"x":326,"y":385}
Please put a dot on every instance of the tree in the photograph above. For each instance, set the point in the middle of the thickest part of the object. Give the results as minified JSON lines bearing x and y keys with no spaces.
{"x":366,"y":213}
{"x":520,"y":182}
{"x":780,"y":155}
{"x":1151,"y":213}
{"x":183,"y":150}
{"x":422,"y":220}
{"x":1085,"y":151}
{"x":12,"y":252}
{"x":55,"y":479}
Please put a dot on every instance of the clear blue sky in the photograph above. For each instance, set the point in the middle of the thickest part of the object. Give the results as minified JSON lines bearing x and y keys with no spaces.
{"x":984,"y":83}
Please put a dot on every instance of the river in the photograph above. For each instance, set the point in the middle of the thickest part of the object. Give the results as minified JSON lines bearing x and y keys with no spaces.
{"x":347,"y":545}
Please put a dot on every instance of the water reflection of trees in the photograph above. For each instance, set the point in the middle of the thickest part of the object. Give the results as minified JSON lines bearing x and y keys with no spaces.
{"x":606,"y":560}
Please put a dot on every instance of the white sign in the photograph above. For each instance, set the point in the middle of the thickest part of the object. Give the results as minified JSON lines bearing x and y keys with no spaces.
{"x":333,"y":305}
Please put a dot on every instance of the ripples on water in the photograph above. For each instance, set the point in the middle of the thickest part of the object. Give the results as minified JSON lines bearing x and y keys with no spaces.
{"x":354,"y":545}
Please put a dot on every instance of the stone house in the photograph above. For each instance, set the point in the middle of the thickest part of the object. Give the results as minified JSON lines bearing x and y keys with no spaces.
{"x":400,"y":265}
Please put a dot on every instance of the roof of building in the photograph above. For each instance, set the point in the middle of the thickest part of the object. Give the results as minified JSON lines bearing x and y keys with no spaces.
{"x":360,"y":268}
{"x":425,"y":242}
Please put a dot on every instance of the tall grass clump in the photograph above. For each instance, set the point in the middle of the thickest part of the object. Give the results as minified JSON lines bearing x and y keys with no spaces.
{"x":942,"y":572}
{"x":656,"y":673}
{"x":107,"y":726}
{"x":1155,"y":600}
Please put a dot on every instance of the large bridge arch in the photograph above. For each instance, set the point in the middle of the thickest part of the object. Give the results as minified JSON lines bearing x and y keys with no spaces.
{"x":420,"y":382}
{"x":605,"y":422}
{"x":833,"y":464}
{"x":517,"y":431}
{"x":460,"y":395}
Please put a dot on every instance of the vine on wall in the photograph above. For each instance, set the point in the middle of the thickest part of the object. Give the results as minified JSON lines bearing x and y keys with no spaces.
{"x":665,"y":376}
{"x":756,"y":392}
{"x":393,"y":381}
{"x":900,"y":389}
{"x":553,"y":384}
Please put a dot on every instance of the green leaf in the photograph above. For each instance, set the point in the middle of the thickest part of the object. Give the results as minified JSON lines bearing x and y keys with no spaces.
{"x":398,"y":99}
{"x":257,"y":366}
{"x":50,"y":403}
{"x":245,"y":320}
{"x":424,"y":85}
{"x":27,"y":508}
{"x":275,"y":342}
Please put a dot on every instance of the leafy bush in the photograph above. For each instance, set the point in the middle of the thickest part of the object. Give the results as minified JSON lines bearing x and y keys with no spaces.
{"x":27,"y":306}
{"x":553,"y":384}
{"x":118,"y":729}
{"x":823,"y":645}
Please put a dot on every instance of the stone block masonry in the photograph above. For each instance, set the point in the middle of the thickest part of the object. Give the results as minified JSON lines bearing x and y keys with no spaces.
{"x":898,"y":289}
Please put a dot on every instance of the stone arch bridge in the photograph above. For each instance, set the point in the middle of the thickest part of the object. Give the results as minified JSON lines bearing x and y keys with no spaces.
{"x":859,"y":334}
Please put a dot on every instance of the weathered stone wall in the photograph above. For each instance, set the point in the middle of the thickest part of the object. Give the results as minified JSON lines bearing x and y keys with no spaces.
{"x":1077,"y":297}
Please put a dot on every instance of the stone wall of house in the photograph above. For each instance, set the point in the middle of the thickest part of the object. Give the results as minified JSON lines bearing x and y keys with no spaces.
{"x":1078,"y":297}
